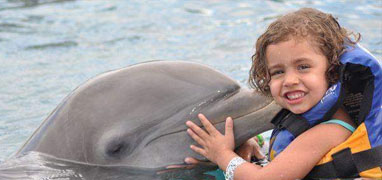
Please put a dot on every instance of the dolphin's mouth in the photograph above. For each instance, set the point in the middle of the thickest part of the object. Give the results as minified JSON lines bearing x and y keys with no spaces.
{"x":266,"y":106}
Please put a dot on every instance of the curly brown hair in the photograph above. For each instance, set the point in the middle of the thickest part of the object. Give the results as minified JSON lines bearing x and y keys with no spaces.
{"x":320,"y":29}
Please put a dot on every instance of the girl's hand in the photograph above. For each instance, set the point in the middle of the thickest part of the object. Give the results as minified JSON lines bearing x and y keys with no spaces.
{"x":214,"y":145}
{"x":247,"y":150}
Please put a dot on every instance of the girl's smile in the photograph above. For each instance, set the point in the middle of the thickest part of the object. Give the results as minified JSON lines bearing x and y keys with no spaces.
{"x":297,"y":69}
{"x":294,"y":97}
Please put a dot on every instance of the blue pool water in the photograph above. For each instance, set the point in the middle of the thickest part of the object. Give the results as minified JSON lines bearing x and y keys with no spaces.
{"x":49,"y":47}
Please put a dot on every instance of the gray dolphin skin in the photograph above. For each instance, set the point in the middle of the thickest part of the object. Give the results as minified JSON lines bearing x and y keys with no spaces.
{"x":136,"y":116}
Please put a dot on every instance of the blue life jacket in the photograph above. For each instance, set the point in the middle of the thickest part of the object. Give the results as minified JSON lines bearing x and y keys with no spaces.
{"x":359,"y":92}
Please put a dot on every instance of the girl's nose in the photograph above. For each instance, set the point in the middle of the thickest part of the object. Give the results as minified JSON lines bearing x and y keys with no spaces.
{"x":291,"y":79}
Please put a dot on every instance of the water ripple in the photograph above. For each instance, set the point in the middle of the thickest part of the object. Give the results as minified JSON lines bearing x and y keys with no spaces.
{"x":52,"y":45}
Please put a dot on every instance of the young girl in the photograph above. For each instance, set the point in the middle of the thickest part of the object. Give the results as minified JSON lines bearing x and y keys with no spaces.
{"x":296,"y":61}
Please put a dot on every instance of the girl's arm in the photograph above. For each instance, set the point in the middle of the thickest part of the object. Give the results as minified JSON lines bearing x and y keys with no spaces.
{"x":295,"y":162}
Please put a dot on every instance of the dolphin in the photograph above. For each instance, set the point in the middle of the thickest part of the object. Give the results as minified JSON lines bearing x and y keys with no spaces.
{"x":135,"y":116}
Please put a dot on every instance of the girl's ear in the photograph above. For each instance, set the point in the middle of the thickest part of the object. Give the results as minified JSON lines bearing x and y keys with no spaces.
{"x":268,"y":91}
{"x":267,"y":88}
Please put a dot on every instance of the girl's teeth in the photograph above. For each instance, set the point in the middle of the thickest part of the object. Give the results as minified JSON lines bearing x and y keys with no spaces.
{"x":295,"y":95}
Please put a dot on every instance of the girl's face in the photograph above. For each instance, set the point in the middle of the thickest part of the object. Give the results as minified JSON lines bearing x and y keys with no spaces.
{"x":297,"y":69}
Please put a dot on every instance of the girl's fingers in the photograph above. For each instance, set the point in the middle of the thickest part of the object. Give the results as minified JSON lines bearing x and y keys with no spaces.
{"x":198,"y":150}
{"x":229,"y":126}
{"x":196,"y":137}
{"x":207,"y":124}
{"x":197,"y":130}
{"x":191,"y":160}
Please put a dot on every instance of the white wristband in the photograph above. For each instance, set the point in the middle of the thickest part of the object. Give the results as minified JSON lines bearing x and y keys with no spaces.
{"x":232,"y":165}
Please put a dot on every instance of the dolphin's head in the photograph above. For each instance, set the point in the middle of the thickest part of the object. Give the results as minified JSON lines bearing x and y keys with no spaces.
{"x":136,"y":116}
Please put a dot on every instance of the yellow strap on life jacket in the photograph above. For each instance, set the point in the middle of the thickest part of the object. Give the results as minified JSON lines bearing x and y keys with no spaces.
{"x":357,"y":142}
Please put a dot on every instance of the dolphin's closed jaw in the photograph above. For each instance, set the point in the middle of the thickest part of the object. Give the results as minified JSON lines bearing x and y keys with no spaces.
{"x":136,"y":116}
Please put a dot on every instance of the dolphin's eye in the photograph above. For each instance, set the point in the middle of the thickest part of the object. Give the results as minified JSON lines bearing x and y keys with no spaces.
{"x":116,"y":149}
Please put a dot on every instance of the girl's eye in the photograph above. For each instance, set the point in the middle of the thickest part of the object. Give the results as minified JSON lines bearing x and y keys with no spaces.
{"x":276,"y":72}
{"x":303,"y":66}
